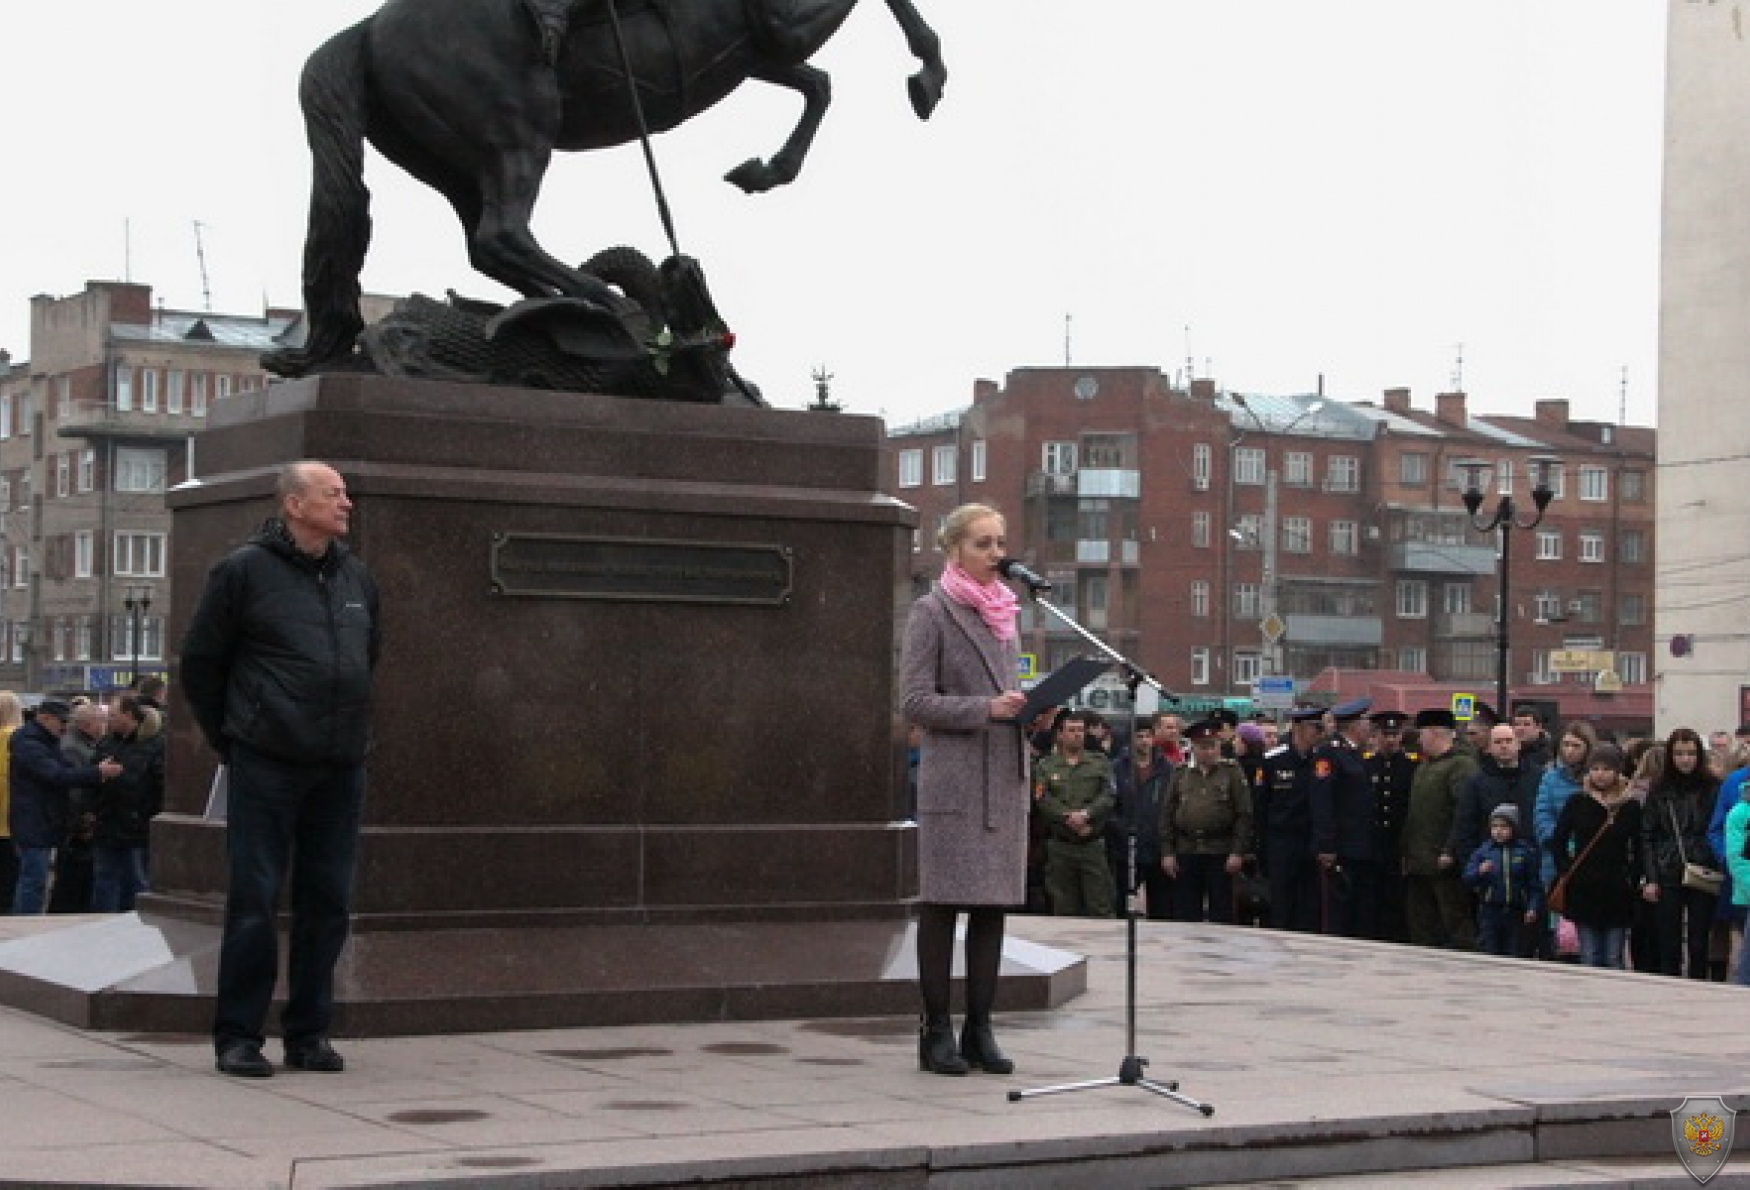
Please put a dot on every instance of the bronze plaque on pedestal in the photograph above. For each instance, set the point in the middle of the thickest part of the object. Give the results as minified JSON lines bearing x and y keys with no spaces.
{"x":554,"y":566}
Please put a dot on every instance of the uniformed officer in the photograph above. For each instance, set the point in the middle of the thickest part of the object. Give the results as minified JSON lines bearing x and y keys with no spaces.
{"x":1391,"y":768}
{"x":1282,"y":805}
{"x":1206,"y":828}
{"x":1343,"y":827}
{"x":1075,"y":793}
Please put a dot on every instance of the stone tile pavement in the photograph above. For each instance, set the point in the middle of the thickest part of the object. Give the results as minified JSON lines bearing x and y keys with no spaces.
{"x":1328,"y":1063}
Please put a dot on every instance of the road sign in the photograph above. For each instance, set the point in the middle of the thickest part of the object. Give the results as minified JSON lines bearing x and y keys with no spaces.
{"x":1029,"y":667}
{"x":1272,"y":627}
{"x":1274,"y":693}
{"x":1464,"y":707}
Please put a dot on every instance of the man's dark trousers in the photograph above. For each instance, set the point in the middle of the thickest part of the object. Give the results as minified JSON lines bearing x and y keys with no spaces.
{"x":277,"y":810}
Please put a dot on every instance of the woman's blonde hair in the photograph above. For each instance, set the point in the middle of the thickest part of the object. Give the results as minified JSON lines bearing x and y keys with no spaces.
{"x":11,"y":710}
{"x":957,"y":524}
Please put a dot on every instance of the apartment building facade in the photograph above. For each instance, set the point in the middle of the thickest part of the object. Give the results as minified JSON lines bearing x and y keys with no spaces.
{"x":1216,"y":538}
{"x":93,"y":431}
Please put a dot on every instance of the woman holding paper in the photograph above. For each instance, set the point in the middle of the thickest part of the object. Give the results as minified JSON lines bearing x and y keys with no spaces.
{"x":959,"y":677}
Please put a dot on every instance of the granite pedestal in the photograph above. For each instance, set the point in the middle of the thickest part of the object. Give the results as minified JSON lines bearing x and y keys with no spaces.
{"x":637,"y":756}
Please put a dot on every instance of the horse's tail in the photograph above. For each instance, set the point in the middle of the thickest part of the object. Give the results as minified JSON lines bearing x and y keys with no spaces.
{"x":333,"y":94}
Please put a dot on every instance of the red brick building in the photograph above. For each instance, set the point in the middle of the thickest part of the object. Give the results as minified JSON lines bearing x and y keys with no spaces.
{"x":1215,"y":537}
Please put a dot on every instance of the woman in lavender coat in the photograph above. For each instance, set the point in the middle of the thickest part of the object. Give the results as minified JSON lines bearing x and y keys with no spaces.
{"x":959,"y":678}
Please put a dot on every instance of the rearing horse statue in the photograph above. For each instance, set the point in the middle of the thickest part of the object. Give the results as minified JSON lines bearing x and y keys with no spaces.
{"x":473,"y":96}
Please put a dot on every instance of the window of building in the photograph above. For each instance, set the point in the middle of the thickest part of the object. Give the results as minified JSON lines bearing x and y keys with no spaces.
{"x":1631,"y":609}
{"x":1632,"y":667}
{"x":62,"y":635}
{"x":138,"y":555}
{"x":911,"y":468}
{"x":20,"y":566}
{"x":1558,"y":481}
{"x":1246,"y":601}
{"x":26,"y":415}
{"x":1200,"y":598}
{"x":1548,"y":606}
{"x":1633,"y":486}
{"x":1297,"y":469}
{"x":5,"y":497}
{"x":1631,"y":546}
{"x":1549,"y":545}
{"x":1345,"y":537}
{"x":1587,"y":608}
{"x":63,"y":475}
{"x":1094,"y":606}
{"x":1248,"y":668}
{"x":1105,"y":450}
{"x":1412,"y":599}
{"x":6,"y":416}
{"x":197,"y":394}
{"x":1058,"y":458}
{"x":1594,"y":483}
{"x":82,"y":639}
{"x":978,"y":460}
{"x":1249,"y":465}
{"x":1413,"y":469}
{"x":1200,"y":665}
{"x":1541,"y":673}
{"x":86,"y":480}
{"x":1591,"y":547}
{"x":221,"y":386}
{"x":84,"y":553}
{"x":1455,"y":598}
{"x":1413,"y":658}
{"x":1343,"y":473}
{"x":944,"y":461}
{"x":124,"y":387}
{"x":1201,"y":462}
{"x":1250,"y":532}
{"x":148,"y":390}
{"x":151,"y":643}
{"x":20,"y":630}
{"x":1504,"y":477}
{"x":1297,"y":534}
{"x":175,"y":385}
{"x":1200,"y":530}
{"x":63,"y":397}
{"x":139,"y":470}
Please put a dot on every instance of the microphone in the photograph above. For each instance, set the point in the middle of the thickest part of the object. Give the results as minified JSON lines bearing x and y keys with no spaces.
{"x":1011,"y":569}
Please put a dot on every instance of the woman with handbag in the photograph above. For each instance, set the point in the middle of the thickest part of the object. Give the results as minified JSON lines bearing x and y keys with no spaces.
{"x":1676,"y":856}
{"x":1596,"y":846}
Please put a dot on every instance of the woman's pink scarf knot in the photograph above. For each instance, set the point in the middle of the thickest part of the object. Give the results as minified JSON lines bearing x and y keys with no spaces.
{"x":995,"y":603}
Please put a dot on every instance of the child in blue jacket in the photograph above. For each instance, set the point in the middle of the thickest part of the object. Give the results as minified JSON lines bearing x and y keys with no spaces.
{"x":1504,"y":874}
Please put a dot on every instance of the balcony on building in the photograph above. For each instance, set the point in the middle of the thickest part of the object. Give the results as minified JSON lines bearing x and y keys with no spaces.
{"x":1429,"y":557}
{"x":1464,"y":626}
{"x":1342,"y":631}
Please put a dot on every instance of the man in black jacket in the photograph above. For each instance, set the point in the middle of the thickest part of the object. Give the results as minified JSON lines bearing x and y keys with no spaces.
{"x":277,"y":669}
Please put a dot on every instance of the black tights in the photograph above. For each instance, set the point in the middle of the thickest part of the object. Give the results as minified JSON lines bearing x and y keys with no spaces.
{"x":984,"y":956}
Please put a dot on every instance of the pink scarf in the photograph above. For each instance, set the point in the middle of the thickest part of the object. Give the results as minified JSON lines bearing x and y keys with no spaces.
{"x":994,"y":602}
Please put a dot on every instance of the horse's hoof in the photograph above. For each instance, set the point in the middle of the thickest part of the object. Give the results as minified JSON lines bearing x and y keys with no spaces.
{"x":925,"y":88}
{"x":289,"y":363}
{"x":753,"y":176}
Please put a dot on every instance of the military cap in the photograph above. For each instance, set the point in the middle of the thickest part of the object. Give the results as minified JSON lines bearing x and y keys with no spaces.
{"x":1484,"y":713}
{"x":1389,"y":720}
{"x":1203,"y":729}
{"x":56,"y":707}
{"x":1224,"y":717}
{"x":1348,"y":712}
{"x":1436,"y":717}
{"x":1306,"y":714}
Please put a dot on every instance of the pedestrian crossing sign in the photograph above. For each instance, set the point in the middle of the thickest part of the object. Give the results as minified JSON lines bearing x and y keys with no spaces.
{"x":1029,"y":667}
{"x":1464,"y":707}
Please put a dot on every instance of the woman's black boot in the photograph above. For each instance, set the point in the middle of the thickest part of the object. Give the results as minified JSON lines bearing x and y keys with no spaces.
{"x":978,"y":1045}
{"x":936,"y":1052}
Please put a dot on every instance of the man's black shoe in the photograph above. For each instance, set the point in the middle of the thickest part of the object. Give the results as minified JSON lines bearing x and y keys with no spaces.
{"x":315,"y":1054}
{"x":242,"y":1059}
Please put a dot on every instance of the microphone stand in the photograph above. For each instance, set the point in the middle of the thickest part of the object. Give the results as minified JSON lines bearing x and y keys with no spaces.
{"x":1130,"y":1069}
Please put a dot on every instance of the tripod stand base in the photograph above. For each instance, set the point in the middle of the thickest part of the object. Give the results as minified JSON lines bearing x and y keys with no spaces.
{"x":1129,"y":1075}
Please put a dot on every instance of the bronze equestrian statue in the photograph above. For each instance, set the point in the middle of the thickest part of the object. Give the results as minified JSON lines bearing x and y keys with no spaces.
{"x":473,"y":96}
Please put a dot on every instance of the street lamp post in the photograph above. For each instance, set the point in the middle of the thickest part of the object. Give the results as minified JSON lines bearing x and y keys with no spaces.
{"x":1269,"y":621}
{"x":138,"y":601}
{"x":1503,"y":520}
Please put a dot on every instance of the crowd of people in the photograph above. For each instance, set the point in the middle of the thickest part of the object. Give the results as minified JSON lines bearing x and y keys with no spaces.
{"x":81,"y":779}
{"x":1480,"y":835}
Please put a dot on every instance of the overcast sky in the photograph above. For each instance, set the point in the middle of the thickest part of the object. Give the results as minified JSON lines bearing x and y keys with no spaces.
{"x":1263,"y":191}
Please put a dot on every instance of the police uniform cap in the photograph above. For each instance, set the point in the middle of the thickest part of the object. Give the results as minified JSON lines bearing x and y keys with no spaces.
{"x":1203,"y":729}
{"x":1484,"y":713}
{"x":1306,"y":714}
{"x":1348,"y":712}
{"x":1436,"y":717}
{"x":1389,"y":720}
{"x":1224,"y":717}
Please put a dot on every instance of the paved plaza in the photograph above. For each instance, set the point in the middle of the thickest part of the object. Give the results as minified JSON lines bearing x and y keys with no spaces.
{"x":1328,"y":1063}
